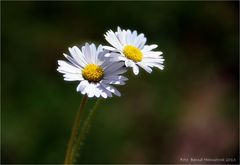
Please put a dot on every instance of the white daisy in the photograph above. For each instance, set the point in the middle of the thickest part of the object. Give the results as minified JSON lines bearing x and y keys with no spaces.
{"x":130,"y":47}
{"x":95,"y":72}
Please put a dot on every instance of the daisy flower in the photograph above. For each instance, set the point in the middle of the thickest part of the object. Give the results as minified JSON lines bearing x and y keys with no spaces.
{"x":131,"y":48}
{"x":93,"y":70}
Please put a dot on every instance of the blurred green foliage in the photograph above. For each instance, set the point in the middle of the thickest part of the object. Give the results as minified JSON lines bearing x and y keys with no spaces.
{"x":156,"y":116}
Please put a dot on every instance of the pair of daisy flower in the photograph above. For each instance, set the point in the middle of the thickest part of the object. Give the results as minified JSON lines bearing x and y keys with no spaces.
{"x":99,"y":68}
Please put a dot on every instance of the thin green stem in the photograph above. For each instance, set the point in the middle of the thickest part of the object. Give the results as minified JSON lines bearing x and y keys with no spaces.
{"x":86,"y":126}
{"x":70,"y":149}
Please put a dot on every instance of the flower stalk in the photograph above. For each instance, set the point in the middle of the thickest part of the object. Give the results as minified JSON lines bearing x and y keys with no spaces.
{"x":69,"y":159}
{"x":86,"y":126}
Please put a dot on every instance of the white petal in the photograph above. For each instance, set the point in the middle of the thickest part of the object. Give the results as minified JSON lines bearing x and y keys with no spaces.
{"x":65,"y":67}
{"x":107,"y":55}
{"x":116,"y":82}
{"x":142,"y":43}
{"x":80,"y":55}
{"x":115,"y":68}
{"x":145,"y":67}
{"x":105,"y":91}
{"x":159,"y":66}
{"x":93,"y":51}
{"x":82,"y":85}
{"x":87,"y":53}
{"x":149,"y":60}
{"x":112,"y":54}
{"x":135,"y":69}
{"x":110,"y":48}
{"x":128,"y":37}
{"x":116,"y":59}
{"x":152,"y":53}
{"x":97,"y":91}
{"x":91,"y":90}
{"x":73,"y":61}
{"x":85,"y":91}
{"x":117,"y":72}
{"x":77,"y":55}
{"x":112,"y":89}
{"x":119,"y":29}
{"x":129,"y":63}
{"x":73,"y":77}
{"x":121,"y":36}
{"x":113,"y":40}
{"x":99,"y":48}
{"x":121,"y":78}
{"x":147,"y":48}
{"x":132,"y":37}
{"x":138,"y":40}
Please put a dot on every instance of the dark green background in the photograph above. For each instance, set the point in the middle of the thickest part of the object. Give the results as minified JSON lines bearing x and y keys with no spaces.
{"x":190,"y":109}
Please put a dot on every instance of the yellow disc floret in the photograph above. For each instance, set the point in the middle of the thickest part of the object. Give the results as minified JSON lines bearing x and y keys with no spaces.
{"x":93,"y":73}
{"x":133,"y":53}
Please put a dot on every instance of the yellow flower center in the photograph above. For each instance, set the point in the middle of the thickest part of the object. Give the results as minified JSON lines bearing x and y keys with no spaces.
{"x":133,"y":53}
{"x":93,"y":73}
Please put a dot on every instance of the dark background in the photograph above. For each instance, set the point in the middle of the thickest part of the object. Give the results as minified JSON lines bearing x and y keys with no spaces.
{"x":190,"y":109}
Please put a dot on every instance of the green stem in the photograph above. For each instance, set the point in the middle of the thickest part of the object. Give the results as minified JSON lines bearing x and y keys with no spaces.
{"x":86,"y":127}
{"x":70,"y":149}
